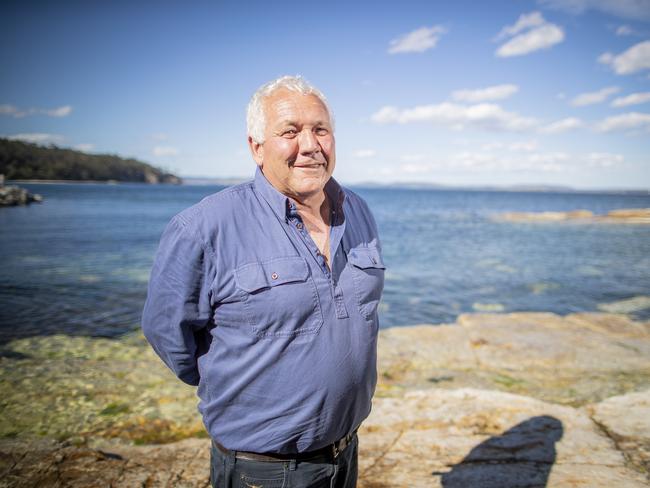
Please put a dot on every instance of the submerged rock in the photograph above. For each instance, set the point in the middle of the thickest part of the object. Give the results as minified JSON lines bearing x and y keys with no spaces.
{"x":630,"y":305}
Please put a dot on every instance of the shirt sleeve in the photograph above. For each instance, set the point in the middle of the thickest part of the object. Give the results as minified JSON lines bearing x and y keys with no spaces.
{"x":178,"y":305}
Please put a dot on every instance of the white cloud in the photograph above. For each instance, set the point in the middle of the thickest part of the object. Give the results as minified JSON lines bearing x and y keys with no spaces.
{"x":413,"y":168}
{"x":84,"y":147}
{"x":635,"y":59}
{"x":631,"y":120}
{"x":159,"y":136}
{"x":563,"y":125}
{"x":632,"y":99}
{"x":13,"y":111}
{"x":624,"y":30}
{"x":63,"y":111}
{"x":544,"y":162}
{"x":604,"y":160}
{"x":628,"y":9}
{"x":455,"y":116}
{"x":165,"y":151}
{"x":606,"y":58}
{"x":412,"y":158}
{"x":542,"y":37}
{"x":364,"y":153}
{"x":536,"y":161}
{"x":37,"y":138}
{"x":497,"y":92}
{"x":7,"y":109}
{"x":594,"y":97}
{"x":525,"y":21}
{"x":521,"y":146}
{"x":417,"y":41}
{"x":531,"y":32}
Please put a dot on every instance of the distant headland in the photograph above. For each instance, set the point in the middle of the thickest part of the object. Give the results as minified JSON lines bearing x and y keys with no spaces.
{"x":26,"y":161}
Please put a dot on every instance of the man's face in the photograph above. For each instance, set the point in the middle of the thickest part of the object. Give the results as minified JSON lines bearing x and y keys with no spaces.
{"x":298,"y":154}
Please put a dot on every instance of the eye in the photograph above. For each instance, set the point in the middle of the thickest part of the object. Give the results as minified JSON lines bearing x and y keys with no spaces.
{"x":322,"y":131}
{"x":289,"y":133}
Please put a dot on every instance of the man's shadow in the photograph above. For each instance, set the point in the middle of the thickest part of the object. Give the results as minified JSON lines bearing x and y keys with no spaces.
{"x":520,"y":457}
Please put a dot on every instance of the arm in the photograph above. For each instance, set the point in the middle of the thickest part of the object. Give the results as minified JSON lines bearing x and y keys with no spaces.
{"x":178,"y":300}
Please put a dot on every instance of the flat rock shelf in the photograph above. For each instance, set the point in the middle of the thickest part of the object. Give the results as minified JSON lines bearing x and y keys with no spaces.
{"x":493,"y":400}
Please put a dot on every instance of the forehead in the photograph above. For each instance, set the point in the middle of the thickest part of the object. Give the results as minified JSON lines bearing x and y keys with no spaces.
{"x":288,"y":106}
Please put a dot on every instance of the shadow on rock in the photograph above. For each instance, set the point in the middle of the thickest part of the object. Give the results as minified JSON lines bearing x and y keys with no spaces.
{"x":520,"y":457}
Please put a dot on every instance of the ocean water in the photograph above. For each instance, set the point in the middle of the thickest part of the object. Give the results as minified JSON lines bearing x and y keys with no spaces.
{"x":79,"y":262}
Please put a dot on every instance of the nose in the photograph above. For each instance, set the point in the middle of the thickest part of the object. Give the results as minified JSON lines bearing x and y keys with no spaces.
{"x":307,"y":142}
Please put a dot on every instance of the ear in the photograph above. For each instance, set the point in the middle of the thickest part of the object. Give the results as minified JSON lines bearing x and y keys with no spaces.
{"x":257,"y":151}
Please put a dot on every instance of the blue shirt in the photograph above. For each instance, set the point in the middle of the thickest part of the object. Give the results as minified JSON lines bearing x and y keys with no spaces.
{"x":242,"y":304}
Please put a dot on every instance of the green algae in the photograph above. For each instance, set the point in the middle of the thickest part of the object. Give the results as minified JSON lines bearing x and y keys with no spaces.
{"x":115,"y":409}
{"x":83,"y":388}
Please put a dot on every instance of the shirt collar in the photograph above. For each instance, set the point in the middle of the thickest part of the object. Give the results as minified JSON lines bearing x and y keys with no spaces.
{"x":284,"y":206}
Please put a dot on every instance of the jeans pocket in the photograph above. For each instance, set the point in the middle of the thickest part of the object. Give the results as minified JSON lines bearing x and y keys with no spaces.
{"x":261,"y":474}
{"x":281,"y":297}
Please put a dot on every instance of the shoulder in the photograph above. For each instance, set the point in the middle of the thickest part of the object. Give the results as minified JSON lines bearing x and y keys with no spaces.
{"x":203,"y":221}
{"x":361,"y":224}
{"x":355,"y":203}
{"x":215,"y":207}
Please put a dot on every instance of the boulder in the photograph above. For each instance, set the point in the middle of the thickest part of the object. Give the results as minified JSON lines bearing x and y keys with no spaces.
{"x":14,"y":195}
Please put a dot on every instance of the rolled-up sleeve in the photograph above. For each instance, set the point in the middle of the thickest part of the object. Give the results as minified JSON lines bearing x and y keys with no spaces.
{"x":178,"y":304}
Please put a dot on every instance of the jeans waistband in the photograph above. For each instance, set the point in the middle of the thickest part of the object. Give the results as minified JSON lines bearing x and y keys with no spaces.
{"x":331,"y":450}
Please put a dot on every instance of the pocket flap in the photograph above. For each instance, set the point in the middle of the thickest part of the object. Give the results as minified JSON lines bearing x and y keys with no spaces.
{"x":256,"y":276}
{"x":366,"y":257}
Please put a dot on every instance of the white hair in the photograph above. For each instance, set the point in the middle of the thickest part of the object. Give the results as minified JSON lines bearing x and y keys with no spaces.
{"x":255,"y":117}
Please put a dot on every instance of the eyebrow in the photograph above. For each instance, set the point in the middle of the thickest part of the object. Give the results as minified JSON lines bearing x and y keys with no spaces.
{"x":293,"y":122}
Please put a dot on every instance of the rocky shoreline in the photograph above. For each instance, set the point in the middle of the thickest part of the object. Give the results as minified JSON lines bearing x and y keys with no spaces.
{"x":503,"y":400}
{"x":620,"y":216}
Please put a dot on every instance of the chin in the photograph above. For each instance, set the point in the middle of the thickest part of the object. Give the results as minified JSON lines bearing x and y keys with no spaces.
{"x":310,"y":189}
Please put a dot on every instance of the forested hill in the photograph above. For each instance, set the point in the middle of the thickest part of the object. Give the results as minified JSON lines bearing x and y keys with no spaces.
{"x":25,"y":161}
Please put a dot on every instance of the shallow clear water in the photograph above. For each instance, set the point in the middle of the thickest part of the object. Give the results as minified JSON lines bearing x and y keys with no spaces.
{"x":79,"y":262}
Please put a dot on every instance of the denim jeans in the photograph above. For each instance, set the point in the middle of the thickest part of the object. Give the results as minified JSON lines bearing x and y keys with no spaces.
{"x":226,"y":471}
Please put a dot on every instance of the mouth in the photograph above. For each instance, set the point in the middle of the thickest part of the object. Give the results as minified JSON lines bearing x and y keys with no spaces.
{"x":307,"y":165}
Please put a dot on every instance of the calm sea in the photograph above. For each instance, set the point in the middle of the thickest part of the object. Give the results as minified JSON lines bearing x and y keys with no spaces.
{"x":79,"y":262}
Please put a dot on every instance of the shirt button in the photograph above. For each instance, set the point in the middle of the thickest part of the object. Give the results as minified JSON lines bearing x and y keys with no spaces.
{"x":299,"y":226}
{"x":274,"y":276}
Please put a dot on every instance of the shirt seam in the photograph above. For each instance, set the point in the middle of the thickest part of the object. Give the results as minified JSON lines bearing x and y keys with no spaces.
{"x":183,"y":225}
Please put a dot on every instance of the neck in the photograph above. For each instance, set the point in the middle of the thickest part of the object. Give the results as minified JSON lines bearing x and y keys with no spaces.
{"x":316,"y":205}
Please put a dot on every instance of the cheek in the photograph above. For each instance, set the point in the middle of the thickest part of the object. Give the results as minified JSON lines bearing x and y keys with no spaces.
{"x":328,"y":146}
{"x":286,"y":147}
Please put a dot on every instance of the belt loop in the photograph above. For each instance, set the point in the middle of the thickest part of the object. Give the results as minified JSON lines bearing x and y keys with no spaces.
{"x":292,"y":465}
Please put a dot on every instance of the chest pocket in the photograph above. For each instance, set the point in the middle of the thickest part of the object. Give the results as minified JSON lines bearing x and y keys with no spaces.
{"x":367,"y":269}
{"x":281,"y":297}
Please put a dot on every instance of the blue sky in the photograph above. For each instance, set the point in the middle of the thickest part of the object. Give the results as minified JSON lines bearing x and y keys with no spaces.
{"x":460,"y":93}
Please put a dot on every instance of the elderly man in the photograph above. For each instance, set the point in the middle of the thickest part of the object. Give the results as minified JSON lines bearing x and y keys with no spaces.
{"x":265,"y":296}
